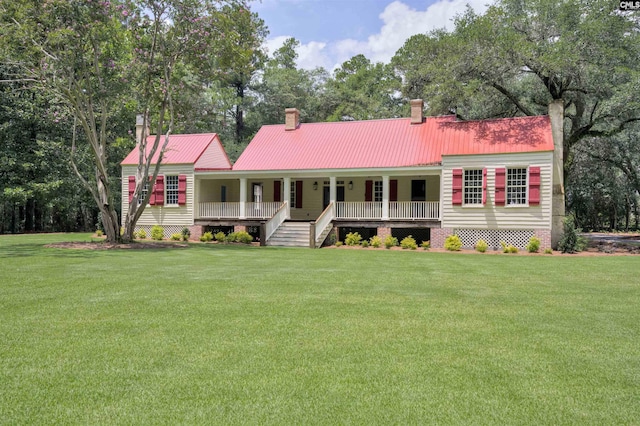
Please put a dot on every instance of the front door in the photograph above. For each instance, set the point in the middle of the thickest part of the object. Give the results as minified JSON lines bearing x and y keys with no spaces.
{"x":326,"y":195}
{"x":418,"y":190}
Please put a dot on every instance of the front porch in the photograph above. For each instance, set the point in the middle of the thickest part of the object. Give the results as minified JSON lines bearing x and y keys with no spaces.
{"x":344,"y":210}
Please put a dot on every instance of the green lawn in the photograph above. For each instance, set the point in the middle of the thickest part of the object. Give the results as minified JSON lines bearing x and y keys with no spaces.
{"x":247,"y":335}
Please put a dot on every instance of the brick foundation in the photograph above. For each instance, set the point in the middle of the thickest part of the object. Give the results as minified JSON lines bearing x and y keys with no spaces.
{"x":196,"y":232}
{"x":384,"y":232}
{"x":438,"y":235}
{"x":239,"y":228}
{"x":545,"y":238}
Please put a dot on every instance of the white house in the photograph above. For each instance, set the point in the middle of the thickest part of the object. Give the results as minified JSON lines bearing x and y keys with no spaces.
{"x":429,"y":177}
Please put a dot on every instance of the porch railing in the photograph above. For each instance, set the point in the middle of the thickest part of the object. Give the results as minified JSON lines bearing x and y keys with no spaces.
{"x":414,"y":210}
{"x":278,"y":218}
{"x":359,"y":209}
{"x":323,"y":222}
{"x":232,"y":210}
{"x":261,"y":210}
{"x":219,"y":210}
{"x":397,"y":210}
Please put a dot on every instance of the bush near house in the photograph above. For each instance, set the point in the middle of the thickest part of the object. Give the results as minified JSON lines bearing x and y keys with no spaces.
{"x":453,"y":243}
{"x":141,"y":234}
{"x":390,"y":242}
{"x":481,"y":246}
{"x":375,"y":241}
{"x":239,"y":237}
{"x":186,"y":234}
{"x":220,"y":237}
{"x":353,"y":239}
{"x":534,"y":245}
{"x":157,"y":233}
{"x":426,"y":245}
{"x":408,"y":243}
{"x":206,"y":237}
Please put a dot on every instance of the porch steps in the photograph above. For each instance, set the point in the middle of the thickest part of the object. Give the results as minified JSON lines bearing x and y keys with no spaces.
{"x":291,"y":234}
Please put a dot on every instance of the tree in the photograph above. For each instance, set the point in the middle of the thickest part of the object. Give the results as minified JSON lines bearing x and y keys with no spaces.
{"x":241,"y":56}
{"x":522,"y":54}
{"x":92,"y":56}
{"x":364,"y":91}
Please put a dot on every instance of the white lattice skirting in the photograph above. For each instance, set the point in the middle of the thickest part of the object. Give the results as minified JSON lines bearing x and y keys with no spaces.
{"x":515,"y":237}
{"x":168,"y":230}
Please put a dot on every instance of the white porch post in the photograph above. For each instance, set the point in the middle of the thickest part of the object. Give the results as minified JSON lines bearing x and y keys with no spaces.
{"x":332,"y":189}
{"x":243,"y":198}
{"x":286,"y":195}
{"x":196,"y":198}
{"x":385,"y":197}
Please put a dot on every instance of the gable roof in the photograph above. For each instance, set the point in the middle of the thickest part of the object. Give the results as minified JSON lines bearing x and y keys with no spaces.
{"x":204,"y":150}
{"x":390,"y":143}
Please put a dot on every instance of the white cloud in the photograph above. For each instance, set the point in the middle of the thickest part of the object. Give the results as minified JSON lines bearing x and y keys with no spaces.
{"x":399,"y":22}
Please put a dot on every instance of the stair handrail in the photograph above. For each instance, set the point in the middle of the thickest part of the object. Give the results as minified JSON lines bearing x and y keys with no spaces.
{"x":324,"y":220}
{"x":276,"y":220}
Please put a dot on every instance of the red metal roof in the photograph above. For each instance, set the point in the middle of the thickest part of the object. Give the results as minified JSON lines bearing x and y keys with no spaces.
{"x":188,"y":149}
{"x":390,"y":143}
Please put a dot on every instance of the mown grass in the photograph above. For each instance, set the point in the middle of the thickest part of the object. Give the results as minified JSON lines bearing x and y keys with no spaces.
{"x":247,"y":335}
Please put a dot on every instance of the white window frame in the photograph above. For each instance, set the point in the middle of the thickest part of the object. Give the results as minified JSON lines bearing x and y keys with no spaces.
{"x":292,"y":195}
{"x":472,"y":188}
{"x":516,"y":193}
{"x":377,"y":190}
{"x":143,"y":193}
{"x":170,"y":191}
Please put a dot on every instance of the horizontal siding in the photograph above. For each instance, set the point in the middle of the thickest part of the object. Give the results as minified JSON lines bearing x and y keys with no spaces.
{"x":161,"y":215}
{"x":491,"y":216}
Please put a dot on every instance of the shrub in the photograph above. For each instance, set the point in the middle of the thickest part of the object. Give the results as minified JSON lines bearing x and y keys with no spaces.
{"x":365,"y":243}
{"x":453,"y":243}
{"x":548,"y":251}
{"x":176,"y":237}
{"x":375,"y":241}
{"x":390,"y":242}
{"x":508,"y":248}
{"x":220,"y":237}
{"x":332,"y":239}
{"x":185,"y":234}
{"x":206,"y":237}
{"x":244,"y":237}
{"x":571,"y":242}
{"x":426,"y":245}
{"x":239,"y":237}
{"x":482,"y":246}
{"x":534,"y":245}
{"x":141,"y":234}
{"x":408,"y":243}
{"x":338,"y":243}
{"x":157,"y":232}
{"x":99,"y":233}
{"x":353,"y":239}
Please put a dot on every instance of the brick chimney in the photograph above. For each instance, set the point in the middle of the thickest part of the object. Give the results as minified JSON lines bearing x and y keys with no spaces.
{"x":139,"y":124}
{"x":417,"y":105}
{"x":292,"y":118}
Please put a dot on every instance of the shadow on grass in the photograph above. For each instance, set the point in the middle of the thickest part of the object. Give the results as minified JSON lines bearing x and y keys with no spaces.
{"x":29,"y":250}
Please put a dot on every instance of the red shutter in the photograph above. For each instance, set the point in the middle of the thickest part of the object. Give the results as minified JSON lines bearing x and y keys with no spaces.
{"x":298,"y":194}
{"x":182,"y":189}
{"x":393,"y":190}
{"x":276,"y":191}
{"x":500,"y":186}
{"x":368,"y":190}
{"x":484,"y":186}
{"x":159,"y":190}
{"x":132,"y":187}
{"x":456,"y":195}
{"x":152,"y":188}
{"x":534,"y":185}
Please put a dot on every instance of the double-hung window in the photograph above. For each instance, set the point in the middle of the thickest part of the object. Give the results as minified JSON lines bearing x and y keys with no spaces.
{"x":473,"y":186}
{"x":516,"y":186}
{"x":377,"y":190}
{"x":143,"y":193}
{"x":171,"y":190}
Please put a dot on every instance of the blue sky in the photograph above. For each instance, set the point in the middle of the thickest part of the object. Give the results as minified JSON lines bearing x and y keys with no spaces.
{"x":332,"y":31}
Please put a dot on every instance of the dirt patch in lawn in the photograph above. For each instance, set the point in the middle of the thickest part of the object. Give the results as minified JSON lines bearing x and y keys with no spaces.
{"x":99,"y":245}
